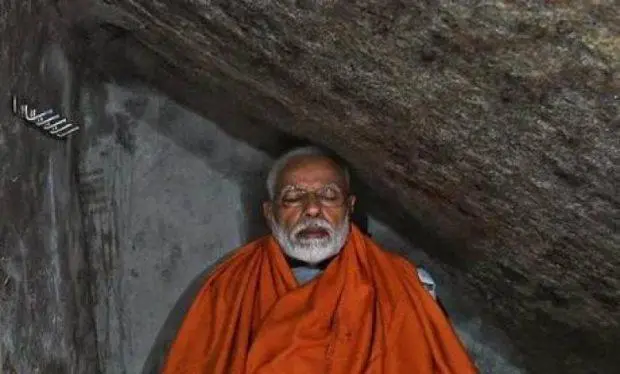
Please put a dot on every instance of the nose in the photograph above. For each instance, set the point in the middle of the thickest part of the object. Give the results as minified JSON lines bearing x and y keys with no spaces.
{"x":312,"y":208}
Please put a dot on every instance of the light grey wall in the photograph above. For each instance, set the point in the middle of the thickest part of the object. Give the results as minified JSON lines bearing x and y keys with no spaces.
{"x":167,"y":193}
{"x":161,"y":212}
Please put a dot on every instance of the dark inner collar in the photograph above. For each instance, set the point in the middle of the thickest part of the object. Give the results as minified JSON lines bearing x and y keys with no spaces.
{"x":295,"y":263}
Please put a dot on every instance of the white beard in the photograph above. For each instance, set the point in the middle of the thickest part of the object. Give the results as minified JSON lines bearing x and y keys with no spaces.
{"x":313,"y":250}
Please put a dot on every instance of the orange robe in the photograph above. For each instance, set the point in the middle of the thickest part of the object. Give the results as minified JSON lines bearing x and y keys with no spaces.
{"x":366,"y":313}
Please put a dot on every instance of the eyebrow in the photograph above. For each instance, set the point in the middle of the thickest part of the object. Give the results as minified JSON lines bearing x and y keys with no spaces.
{"x":292,"y":187}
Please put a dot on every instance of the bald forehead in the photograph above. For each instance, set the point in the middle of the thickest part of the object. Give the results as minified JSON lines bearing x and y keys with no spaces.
{"x":311,"y":172}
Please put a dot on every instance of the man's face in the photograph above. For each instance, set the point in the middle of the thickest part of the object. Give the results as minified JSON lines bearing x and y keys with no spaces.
{"x":309,"y":214}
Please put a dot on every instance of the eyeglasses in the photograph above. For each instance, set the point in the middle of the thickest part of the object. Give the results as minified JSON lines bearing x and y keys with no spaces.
{"x":328,"y":196}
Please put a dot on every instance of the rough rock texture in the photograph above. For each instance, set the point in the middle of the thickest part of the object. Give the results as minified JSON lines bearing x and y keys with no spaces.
{"x":492,"y":127}
{"x":46,"y":322}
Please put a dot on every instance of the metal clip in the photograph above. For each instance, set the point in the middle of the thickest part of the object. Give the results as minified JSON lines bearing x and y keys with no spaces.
{"x":68,"y":132}
{"x":56,"y":131}
{"x":47,"y":120}
{"x":50,"y":119}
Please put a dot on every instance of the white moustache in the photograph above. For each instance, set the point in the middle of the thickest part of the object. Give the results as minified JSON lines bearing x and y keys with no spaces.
{"x":312,"y":223}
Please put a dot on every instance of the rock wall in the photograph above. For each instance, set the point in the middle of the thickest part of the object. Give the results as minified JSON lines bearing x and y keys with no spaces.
{"x":46,"y":322}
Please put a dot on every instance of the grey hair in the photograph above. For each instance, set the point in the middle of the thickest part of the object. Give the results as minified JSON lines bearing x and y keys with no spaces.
{"x":280,"y":163}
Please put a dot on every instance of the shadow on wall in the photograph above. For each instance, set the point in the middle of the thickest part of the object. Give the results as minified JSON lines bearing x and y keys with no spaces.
{"x":167,"y":194}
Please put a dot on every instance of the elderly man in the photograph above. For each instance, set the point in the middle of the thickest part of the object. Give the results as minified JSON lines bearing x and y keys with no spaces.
{"x":315,"y":296}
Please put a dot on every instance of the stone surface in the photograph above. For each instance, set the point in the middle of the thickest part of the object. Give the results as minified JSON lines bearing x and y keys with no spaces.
{"x":46,"y":321}
{"x":492,"y":128}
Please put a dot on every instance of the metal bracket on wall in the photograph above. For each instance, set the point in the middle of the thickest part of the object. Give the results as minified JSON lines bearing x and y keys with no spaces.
{"x":48,"y":121}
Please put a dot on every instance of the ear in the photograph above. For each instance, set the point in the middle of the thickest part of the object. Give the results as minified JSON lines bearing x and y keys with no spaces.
{"x":268,"y":211}
{"x":351,"y":201}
